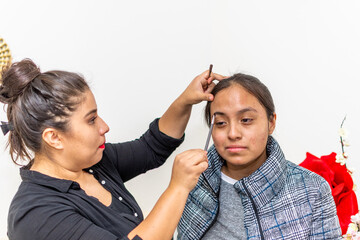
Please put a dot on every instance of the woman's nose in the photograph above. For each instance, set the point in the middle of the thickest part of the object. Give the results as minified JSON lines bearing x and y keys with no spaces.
{"x":234,"y":131}
{"x":104,"y":128}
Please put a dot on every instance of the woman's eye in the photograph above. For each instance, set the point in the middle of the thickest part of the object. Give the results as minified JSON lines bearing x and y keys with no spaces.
{"x":220,"y":124}
{"x":92,"y":120}
{"x":246,"y":120}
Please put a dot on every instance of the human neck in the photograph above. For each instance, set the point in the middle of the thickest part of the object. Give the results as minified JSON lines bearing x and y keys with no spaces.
{"x":50,"y":167}
{"x":235,"y":172}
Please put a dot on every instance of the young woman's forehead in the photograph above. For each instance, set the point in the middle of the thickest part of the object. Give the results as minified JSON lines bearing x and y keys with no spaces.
{"x":238,"y":112}
{"x":235,"y":98}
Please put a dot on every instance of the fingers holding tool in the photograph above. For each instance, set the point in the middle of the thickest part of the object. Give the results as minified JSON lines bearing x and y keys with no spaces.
{"x":201,"y":86}
{"x":187,"y":168}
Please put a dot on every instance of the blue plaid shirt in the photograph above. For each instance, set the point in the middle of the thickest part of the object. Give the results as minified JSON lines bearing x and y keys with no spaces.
{"x":281,"y":200}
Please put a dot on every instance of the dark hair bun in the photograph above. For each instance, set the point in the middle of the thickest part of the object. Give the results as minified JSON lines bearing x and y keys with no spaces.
{"x":16,"y":78}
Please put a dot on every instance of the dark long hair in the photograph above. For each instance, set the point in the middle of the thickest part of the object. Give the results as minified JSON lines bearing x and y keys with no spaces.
{"x":36,"y":101}
{"x":250,"y":84}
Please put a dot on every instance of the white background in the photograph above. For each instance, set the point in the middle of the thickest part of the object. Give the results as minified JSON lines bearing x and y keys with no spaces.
{"x":140,"y":55}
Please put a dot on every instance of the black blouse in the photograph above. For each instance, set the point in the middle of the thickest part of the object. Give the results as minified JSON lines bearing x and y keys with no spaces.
{"x":49,"y":208}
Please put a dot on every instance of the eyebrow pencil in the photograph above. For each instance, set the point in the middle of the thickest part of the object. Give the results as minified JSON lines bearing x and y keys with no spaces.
{"x":209,"y":134}
{"x":210,"y":70}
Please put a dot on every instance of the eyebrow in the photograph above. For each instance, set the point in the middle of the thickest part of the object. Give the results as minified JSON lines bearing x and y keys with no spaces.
{"x":91,"y":112}
{"x":248,"y":109}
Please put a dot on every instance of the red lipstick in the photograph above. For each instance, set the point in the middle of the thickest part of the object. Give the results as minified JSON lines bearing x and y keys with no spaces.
{"x":102,"y":146}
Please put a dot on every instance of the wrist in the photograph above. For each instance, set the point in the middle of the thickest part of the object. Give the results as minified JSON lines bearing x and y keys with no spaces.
{"x":178,"y":189}
{"x":183,"y":102}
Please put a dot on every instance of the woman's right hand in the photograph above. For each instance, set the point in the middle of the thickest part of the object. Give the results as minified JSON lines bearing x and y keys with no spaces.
{"x":161,"y":222}
{"x":187,"y":168}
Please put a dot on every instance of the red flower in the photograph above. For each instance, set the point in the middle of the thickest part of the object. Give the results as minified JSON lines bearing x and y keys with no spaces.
{"x":341,"y":184}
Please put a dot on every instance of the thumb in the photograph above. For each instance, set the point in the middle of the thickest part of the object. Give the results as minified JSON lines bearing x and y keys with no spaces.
{"x":208,"y":97}
{"x":204,"y":166}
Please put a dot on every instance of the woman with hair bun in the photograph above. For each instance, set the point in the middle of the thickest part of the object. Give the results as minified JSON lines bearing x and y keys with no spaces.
{"x":73,"y":184}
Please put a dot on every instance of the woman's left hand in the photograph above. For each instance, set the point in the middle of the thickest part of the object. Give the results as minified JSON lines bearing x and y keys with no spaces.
{"x":200,"y":88}
{"x":175,"y":119}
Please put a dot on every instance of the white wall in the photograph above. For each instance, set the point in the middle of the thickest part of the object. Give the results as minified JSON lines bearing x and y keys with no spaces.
{"x":139,"y":55}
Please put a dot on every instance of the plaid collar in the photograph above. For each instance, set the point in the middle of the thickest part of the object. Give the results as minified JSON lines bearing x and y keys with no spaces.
{"x":263,"y":184}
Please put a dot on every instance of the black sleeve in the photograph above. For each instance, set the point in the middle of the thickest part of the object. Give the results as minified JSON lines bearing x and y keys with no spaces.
{"x":138,"y":156}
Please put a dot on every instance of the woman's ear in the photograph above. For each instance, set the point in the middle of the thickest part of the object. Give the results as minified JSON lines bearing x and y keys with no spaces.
{"x":272,"y":123}
{"x":52,"y":138}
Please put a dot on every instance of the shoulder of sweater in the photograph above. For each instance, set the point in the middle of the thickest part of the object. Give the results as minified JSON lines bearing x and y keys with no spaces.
{"x":300,"y":175}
